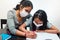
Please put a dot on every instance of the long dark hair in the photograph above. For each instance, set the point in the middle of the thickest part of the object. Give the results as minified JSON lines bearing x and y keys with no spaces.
{"x":43,"y":17}
{"x":24,"y":3}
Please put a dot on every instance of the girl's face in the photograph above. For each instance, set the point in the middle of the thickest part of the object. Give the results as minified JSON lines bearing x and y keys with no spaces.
{"x":38,"y":21}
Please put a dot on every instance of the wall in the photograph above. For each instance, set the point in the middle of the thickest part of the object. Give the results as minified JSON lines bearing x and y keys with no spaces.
{"x":52,"y":8}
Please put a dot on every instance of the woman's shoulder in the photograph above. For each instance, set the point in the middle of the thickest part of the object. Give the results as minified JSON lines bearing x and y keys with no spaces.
{"x":11,"y":12}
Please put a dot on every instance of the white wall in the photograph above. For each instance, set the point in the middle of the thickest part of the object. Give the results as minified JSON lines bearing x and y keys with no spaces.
{"x":6,"y":5}
{"x":52,"y":8}
{"x":0,"y":24}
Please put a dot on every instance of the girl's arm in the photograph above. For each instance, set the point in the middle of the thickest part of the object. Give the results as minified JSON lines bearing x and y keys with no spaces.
{"x":53,"y":29}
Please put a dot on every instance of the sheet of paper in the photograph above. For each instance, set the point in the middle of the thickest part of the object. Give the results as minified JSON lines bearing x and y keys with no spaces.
{"x":45,"y":36}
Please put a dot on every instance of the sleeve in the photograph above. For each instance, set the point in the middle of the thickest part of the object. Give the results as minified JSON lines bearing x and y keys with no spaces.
{"x":28,"y":21}
{"x":30,"y":15}
{"x":10,"y":22}
{"x":49,"y":25}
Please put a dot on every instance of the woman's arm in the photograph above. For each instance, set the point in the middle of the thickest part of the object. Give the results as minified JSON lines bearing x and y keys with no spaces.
{"x":29,"y":34}
{"x":22,"y":27}
{"x":11,"y":25}
{"x":20,"y":33}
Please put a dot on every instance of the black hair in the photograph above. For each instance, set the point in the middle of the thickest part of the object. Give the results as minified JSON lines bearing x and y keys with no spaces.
{"x":24,"y":3}
{"x":43,"y":17}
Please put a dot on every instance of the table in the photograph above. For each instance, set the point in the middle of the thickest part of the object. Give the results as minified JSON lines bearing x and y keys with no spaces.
{"x":45,"y":36}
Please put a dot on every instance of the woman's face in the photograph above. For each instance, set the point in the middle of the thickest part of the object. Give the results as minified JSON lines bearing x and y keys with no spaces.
{"x":27,"y":9}
{"x":38,"y":21}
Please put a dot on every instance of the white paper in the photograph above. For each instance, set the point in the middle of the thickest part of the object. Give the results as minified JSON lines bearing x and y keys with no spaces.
{"x":45,"y":36}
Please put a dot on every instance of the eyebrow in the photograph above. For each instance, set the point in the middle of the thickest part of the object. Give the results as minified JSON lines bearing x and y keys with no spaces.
{"x":27,"y":11}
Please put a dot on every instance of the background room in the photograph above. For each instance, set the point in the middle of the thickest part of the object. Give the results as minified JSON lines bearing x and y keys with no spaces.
{"x":52,"y":8}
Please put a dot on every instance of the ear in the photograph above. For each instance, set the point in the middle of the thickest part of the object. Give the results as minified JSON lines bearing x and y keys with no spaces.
{"x":21,"y":7}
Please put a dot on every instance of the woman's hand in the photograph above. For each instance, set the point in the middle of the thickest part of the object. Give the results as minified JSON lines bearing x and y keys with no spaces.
{"x":31,"y":34}
{"x":0,"y":38}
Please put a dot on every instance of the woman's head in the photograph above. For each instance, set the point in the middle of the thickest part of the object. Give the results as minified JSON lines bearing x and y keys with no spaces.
{"x":24,"y":5}
{"x":40,"y":20}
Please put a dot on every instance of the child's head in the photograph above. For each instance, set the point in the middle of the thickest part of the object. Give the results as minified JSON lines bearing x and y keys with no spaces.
{"x":39,"y":20}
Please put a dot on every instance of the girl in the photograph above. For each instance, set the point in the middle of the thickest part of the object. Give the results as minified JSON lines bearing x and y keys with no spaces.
{"x":39,"y":23}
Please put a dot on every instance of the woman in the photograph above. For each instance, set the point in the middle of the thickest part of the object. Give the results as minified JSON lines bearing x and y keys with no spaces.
{"x":39,"y":23}
{"x":17,"y":17}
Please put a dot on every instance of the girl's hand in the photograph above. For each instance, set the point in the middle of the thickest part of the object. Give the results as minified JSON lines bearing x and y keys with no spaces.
{"x":40,"y":30}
